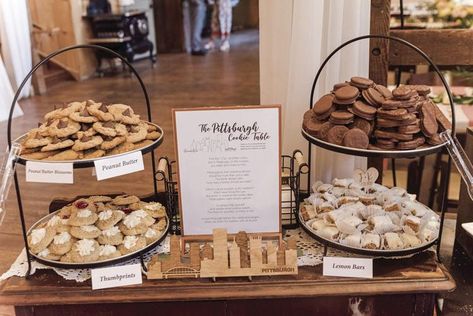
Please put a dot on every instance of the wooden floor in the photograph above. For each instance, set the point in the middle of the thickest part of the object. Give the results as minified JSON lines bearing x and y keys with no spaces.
{"x":179,"y":80}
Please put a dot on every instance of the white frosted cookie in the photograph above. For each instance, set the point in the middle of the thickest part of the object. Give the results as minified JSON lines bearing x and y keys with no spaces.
{"x":111,"y":236}
{"x":62,"y":244}
{"x":151,"y":235}
{"x":46,"y":254}
{"x":40,"y":238}
{"x":132,"y":244}
{"x":109,"y":218}
{"x":160,"y":225}
{"x":155,"y":209}
{"x":136,"y":223}
{"x":85,"y":250}
{"x":108,"y":252}
{"x":83,"y":217}
{"x":85,"y":232}
{"x":58,"y":223}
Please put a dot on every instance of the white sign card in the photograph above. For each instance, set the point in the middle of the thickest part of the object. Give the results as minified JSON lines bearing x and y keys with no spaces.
{"x":348,"y":267}
{"x":118,"y":166}
{"x":229,"y":169}
{"x":104,"y":278}
{"x":49,"y":172}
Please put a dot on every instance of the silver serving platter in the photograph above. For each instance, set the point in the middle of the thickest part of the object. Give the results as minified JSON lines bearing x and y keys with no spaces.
{"x":82,"y":163}
{"x":421,"y":151}
{"x":362,"y":251}
{"x":94,"y":264}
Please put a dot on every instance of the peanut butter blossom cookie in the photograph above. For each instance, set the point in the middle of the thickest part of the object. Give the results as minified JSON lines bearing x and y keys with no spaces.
{"x":402,"y":119}
{"x":98,"y":228}
{"x":87,"y":130}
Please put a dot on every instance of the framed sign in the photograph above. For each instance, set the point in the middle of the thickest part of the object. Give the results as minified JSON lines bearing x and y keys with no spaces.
{"x":229,"y":169}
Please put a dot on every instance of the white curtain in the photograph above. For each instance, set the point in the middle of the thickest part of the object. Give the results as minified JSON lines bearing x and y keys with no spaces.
{"x":16,"y":46}
{"x":295,"y":37}
{"x":6,"y":95}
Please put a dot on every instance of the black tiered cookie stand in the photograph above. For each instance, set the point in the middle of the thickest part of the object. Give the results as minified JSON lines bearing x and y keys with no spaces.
{"x":420,"y":152}
{"x":87,"y":163}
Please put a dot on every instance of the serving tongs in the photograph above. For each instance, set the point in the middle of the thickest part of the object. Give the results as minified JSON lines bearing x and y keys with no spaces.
{"x":6,"y":172}
{"x":463,"y":164}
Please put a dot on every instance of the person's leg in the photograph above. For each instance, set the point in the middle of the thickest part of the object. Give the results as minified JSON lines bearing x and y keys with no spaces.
{"x":225,"y":23}
{"x":215,"y":28}
{"x":197,"y":12}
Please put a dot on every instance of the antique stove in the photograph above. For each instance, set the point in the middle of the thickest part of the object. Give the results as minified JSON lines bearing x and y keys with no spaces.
{"x":126,"y":33}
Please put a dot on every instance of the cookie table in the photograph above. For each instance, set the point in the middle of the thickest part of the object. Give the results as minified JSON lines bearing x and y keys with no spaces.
{"x":400,"y":287}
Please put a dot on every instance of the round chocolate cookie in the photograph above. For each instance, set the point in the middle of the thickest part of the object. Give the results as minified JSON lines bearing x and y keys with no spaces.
{"x":421,"y":89}
{"x":373,"y":97}
{"x":341,"y":117}
{"x":396,"y":115}
{"x":385,"y":144}
{"x":323,"y":131}
{"x":385,"y":92}
{"x":346,"y":95}
{"x":363,"y":124}
{"x":412,"y":144}
{"x":340,"y":85}
{"x":361,"y":83}
{"x":336,"y":134}
{"x":428,"y":121}
{"x":390,"y":104}
{"x":356,"y":138}
{"x":364,"y":110}
{"x":409,"y":129}
{"x":392,"y":135}
{"x":403,"y":93}
{"x":434,"y":140}
{"x":313,"y":127}
{"x":323,"y":104}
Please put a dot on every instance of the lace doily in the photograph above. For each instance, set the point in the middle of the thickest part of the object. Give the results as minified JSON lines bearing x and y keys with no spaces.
{"x":311,"y":253}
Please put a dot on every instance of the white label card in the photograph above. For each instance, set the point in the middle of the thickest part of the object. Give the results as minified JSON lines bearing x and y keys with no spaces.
{"x":104,"y":278}
{"x":229,"y":173}
{"x":45,"y":172}
{"x":118,"y":166}
{"x":348,"y":267}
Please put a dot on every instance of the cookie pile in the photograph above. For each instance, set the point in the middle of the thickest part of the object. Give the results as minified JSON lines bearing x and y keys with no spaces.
{"x":362,"y":114}
{"x":98,"y":228}
{"x":369,"y":216}
{"x":86,"y":130}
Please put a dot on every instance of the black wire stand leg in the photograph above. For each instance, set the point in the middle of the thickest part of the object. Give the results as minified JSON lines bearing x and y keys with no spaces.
{"x":142,"y":261}
{"x":23,"y":226}
{"x":393,"y":168}
{"x":444,"y":206}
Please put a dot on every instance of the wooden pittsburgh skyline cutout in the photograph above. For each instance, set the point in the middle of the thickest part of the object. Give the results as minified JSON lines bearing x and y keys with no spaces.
{"x":244,"y":256}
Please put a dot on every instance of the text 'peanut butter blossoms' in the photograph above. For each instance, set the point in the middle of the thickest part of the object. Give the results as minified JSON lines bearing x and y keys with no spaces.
{"x":362,"y":114}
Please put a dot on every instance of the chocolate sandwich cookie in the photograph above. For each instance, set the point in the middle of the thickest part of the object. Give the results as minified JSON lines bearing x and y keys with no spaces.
{"x":385,"y":144}
{"x":362,"y":124}
{"x":339,"y":85}
{"x":336,"y":134}
{"x":356,"y":138}
{"x":341,"y":117}
{"x":409,"y":102}
{"x":412,"y":144}
{"x":346,"y":95}
{"x":396,"y":115}
{"x":364,"y":110}
{"x":428,"y":121}
{"x":313,"y":127}
{"x":308,"y":115}
{"x":385,"y":92}
{"x":373,"y":97}
{"x":392,"y":135}
{"x":390,"y":104}
{"x":409,"y":129}
{"x":361,"y":83}
{"x":434,"y":140}
{"x":324,"y":106}
{"x":403,"y":93}
{"x":323,"y":131}
{"x":422,"y":90}
{"x":442,"y":120}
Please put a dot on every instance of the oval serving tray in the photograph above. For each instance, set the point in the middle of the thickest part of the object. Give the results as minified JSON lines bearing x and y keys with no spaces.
{"x":422,"y":151}
{"x":84,"y":163}
{"x":95,"y":264}
{"x":363,"y":251}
